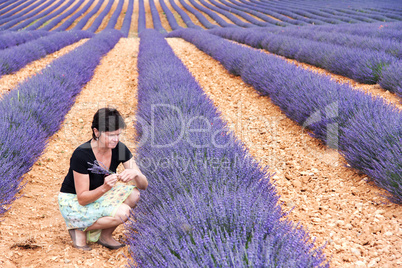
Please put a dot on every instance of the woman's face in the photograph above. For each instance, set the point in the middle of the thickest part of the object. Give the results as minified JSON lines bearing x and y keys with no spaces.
{"x":109,"y":139}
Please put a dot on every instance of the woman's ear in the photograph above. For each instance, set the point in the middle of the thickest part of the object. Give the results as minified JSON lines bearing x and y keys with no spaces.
{"x":96,"y":133}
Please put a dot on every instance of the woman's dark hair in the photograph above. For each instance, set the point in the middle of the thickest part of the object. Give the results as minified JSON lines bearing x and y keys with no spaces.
{"x":107,"y":119}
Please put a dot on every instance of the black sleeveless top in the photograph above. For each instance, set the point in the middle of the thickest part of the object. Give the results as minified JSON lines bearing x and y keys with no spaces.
{"x":84,"y":155}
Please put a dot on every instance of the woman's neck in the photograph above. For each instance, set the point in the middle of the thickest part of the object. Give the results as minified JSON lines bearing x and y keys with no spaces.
{"x":98,"y":148}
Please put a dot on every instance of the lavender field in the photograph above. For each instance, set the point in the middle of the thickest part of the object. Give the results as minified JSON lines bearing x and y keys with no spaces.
{"x":270,"y":131}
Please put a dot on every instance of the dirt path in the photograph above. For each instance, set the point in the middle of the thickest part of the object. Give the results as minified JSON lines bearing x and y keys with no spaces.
{"x":332,"y":201}
{"x":33,"y":232}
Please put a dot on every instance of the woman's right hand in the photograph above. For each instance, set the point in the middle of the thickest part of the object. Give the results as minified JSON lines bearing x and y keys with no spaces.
{"x":110,"y":181}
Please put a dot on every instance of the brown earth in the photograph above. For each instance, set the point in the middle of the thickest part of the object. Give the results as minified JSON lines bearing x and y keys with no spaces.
{"x":332,"y":201}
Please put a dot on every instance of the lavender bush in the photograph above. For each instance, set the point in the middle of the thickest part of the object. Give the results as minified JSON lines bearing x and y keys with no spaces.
{"x":125,"y":28}
{"x":205,"y":22}
{"x":271,"y":7}
{"x":183,"y":15}
{"x":58,"y":19}
{"x":10,"y":38}
{"x":85,"y":19}
{"x":169,"y":16}
{"x":142,"y":25}
{"x":98,"y":21}
{"x":391,"y":78}
{"x":14,"y":58}
{"x":20,"y":18}
{"x":258,"y":14}
{"x":113,"y":19}
{"x":362,"y":65}
{"x":76,"y":15}
{"x":16,"y":8}
{"x":4,"y":3}
{"x":260,"y":8}
{"x":38,"y":23}
{"x":379,"y":30}
{"x":35,"y":110}
{"x":302,"y":94}
{"x":317,"y":10}
{"x":155,"y":17}
{"x":222,"y":213}
{"x":25,"y":23}
{"x":209,"y":9}
{"x":202,"y":19}
{"x":240,"y":13}
{"x":389,"y":46}
{"x":11,"y":7}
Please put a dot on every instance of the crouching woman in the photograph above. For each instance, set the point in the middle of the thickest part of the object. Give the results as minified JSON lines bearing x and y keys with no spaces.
{"x":91,"y":200}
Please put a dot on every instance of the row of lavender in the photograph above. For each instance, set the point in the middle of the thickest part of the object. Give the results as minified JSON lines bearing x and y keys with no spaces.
{"x":16,"y":57}
{"x":333,"y":12}
{"x":208,"y":203}
{"x":34,"y":15}
{"x":286,"y":14}
{"x":24,"y":21}
{"x":265,"y":11}
{"x":29,"y":21}
{"x":363,"y":65}
{"x":22,"y":47}
{"x":366,"y":130}
{"x":35,"y":110}
{"x":55,"y":18}
{"x":391,"y":46}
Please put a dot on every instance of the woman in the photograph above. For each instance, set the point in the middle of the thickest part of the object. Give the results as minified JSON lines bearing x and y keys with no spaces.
{"x":92,"y":204}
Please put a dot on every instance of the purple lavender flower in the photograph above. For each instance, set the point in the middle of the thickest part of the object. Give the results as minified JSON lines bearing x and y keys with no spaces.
{"x":99,"y":168}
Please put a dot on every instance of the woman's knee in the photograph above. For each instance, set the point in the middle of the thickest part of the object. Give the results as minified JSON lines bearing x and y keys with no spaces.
{"x":133,"y":198}
{"x":123,"y":212}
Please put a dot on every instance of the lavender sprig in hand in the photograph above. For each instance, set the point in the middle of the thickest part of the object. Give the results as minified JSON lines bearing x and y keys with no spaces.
{"x":99,"y":168}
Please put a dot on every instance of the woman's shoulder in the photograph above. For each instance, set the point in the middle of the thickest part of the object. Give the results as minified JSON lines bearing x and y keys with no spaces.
{"x":84,"y":148}
{"x":121,"y":146}
{"x":121,"y":152}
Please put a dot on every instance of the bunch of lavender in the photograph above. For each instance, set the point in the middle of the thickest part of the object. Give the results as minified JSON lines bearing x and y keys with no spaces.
{"x":99,"y":168}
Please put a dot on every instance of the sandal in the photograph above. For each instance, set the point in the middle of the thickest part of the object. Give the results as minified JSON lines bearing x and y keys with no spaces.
{"x":72,"y":235}
{"x":110,"y":246}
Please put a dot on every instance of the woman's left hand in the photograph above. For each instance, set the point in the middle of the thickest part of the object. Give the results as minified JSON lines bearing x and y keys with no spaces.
{"x":132,"y":172}
{"x":129,"y":175}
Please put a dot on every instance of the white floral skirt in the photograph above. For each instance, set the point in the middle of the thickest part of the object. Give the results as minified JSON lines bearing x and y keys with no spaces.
{"x":81,"y":217}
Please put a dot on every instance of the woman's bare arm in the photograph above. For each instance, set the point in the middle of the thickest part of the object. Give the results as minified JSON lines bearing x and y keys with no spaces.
{"x":132,"y":172}
{"x":86,"y":196}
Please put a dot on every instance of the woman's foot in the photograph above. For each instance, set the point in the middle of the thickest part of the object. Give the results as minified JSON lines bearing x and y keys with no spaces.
{"x":110,"y":243}
{"x":79,"y":239}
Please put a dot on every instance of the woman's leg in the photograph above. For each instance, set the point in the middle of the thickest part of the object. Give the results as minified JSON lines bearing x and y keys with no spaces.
{"x":109,"y":224}
{"x":133,"y":198}
{"x":121,"y":216}
{"x":80,"y":238}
